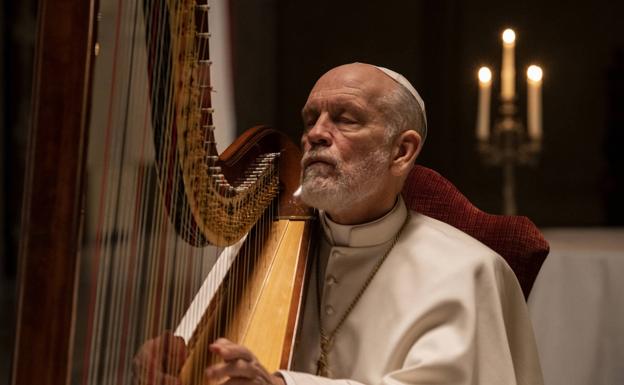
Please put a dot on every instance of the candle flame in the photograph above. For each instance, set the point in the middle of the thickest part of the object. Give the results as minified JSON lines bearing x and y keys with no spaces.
{"x":509,"y":36}
{"x":485,"y":75}
{"x":534,"y":73}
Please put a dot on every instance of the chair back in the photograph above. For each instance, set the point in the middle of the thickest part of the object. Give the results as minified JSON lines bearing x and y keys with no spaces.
{"x":515,"y":238}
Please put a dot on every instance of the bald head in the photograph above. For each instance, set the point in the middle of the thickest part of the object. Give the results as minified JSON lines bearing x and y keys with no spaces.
{"x":397,"y":100}
{"x":357,"y":76}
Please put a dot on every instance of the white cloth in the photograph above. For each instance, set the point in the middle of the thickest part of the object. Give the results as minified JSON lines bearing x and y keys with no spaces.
{"x":577,"y":307}
{"x":442,"y":309}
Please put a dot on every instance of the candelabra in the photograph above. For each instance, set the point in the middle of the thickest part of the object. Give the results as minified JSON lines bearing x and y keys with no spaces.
{"x":508,"y":143}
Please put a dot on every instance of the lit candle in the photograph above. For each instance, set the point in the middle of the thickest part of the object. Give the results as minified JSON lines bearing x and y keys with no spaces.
{"x":534,"y":102}
{"x":508,"y":72}
{"x":483,"y":114}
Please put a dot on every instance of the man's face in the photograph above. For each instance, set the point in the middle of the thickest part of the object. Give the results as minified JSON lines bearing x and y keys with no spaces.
{"x":346,"y":150}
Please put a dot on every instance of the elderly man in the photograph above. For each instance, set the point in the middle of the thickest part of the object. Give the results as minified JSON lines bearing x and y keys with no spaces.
{"x":396,"y":297}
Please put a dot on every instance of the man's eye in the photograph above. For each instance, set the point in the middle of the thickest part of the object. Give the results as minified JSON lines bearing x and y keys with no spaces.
{"x":346,"y":120}
{"x":309,"y":123}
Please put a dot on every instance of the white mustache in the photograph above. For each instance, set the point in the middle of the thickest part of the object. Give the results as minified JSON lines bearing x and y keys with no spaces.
{"x":311,"y":157}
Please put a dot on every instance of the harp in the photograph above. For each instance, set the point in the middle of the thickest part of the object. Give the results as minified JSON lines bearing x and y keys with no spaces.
{"x":130,"y":213}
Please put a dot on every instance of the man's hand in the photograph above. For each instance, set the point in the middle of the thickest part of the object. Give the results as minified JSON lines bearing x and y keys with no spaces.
{"x":240,"y":366}
{"x":159,"y":360}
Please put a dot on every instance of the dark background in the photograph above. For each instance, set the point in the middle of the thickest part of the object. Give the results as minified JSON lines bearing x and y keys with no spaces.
{"x":439,"y":46}
{"x":281,"y":47}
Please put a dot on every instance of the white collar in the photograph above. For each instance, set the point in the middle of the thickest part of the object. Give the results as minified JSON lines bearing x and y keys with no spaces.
{"x":366,"y":234}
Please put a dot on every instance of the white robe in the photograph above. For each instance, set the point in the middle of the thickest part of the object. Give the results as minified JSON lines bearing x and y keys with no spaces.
{"x":442,"y":309}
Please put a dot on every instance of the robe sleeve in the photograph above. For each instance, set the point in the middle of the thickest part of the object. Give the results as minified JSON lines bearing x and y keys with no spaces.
{"x":474,"y":329}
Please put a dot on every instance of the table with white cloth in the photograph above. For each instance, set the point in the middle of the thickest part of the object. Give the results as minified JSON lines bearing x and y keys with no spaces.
{"x":577,"y":307}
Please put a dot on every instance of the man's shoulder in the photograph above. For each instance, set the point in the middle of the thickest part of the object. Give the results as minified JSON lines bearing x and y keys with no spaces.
{"x":433,"y":256}
{"x":431,"y":238}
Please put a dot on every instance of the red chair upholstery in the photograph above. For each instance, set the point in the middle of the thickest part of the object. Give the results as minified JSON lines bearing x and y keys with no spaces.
{"x":515,"y":238}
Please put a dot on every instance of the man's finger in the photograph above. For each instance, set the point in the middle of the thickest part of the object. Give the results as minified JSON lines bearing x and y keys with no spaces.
{"x":159,"y":360}
{"x":174,"y":353}
{"x":232,"y":369}
{"x":148,"y":359}
{"x":230,"y":351}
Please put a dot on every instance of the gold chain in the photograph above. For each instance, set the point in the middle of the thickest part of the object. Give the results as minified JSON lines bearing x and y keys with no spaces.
{"x":326,"y":340}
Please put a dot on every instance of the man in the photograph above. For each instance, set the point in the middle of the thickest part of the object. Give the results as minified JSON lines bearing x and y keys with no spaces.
{"x":396,"y":297}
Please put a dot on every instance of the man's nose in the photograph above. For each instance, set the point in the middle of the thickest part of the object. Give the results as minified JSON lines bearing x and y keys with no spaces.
{"x":320,"y":134}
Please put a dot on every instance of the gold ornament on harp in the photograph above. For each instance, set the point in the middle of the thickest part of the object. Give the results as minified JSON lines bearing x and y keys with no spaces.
{"x":223,"y":211}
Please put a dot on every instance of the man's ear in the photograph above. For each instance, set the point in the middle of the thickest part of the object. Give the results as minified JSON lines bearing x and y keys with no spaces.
{"x":406,"y":150}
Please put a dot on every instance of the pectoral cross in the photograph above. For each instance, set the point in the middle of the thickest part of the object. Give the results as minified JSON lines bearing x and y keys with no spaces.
{"x":322,"y":365}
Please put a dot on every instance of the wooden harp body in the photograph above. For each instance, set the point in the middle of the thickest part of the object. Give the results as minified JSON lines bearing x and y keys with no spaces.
{"x":118,"y":232}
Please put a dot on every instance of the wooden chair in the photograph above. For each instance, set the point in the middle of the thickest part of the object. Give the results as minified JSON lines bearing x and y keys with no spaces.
{"x":515,"y":238}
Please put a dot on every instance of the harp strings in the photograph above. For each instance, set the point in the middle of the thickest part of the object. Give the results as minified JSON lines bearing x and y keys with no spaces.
{"x":141,"y":274}
{"x":123,"y":250}
{"x":201,"y":83}
{"x":108,"y":234}
{"x":110,"y":330}
{"x":133,"y":250}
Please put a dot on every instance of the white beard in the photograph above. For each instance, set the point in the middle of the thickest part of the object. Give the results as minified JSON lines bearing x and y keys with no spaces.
{"x":334,"y":188}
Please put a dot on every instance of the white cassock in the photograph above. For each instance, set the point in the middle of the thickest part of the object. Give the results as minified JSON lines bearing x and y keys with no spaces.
{"x":442,"y":309}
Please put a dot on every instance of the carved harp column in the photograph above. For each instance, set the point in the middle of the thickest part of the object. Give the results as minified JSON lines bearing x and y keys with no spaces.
{"x":132,"y":223}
